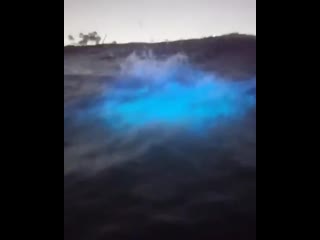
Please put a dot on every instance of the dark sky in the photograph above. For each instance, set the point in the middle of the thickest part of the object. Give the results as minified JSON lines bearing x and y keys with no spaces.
{"x":158,"y":20}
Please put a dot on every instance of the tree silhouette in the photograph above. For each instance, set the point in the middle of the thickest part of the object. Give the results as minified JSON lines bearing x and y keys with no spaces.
{"x":70,"y":37}
{"x":90,"y":37}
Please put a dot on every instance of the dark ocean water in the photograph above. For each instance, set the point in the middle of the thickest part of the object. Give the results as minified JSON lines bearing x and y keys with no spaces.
{"x":155,"y":182}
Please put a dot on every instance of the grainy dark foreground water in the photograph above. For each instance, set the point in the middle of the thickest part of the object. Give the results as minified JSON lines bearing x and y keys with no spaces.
{"x":158,"y":182}
{"x":154,"y":185}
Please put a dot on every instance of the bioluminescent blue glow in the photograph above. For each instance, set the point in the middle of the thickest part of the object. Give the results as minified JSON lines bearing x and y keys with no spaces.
{"x":179,"y":104}
{"x":172,"y":93}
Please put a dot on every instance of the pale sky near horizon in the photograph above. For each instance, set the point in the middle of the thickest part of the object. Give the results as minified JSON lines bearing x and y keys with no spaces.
{"x":155,"y":20}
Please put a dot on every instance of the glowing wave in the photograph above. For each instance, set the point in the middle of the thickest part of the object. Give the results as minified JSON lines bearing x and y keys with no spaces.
{"x":175,"y":103}
{"x":172,"y":93}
